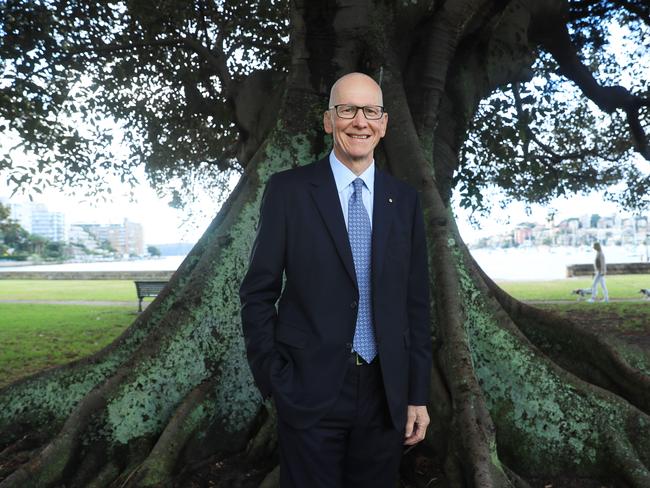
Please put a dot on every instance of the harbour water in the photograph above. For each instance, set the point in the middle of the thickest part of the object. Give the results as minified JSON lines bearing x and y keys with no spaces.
{"x":522,"y":263}
{"x":548,"y":263}
{"x":166,"y":263}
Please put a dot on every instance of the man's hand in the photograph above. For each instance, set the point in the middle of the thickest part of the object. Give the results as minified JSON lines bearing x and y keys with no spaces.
{"x":417,"y":420}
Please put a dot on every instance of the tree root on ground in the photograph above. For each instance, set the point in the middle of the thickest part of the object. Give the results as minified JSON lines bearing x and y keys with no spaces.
{"x":50,"y":396}
{"x":192,"y":337}
{"x":577,"y":348}
{"x":548,"y":421}
{"x":477,"y":442}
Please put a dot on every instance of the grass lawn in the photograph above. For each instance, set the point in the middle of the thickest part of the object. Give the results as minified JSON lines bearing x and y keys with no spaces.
{"x":34,"y":337}
{"x":619,"y":286}
{"x":91,"y":290}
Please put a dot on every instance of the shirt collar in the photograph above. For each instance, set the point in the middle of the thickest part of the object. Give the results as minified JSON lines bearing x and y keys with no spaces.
{"x":343,"y":176}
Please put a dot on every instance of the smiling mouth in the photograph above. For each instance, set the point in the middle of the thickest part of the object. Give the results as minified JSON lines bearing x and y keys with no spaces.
{"x":357,"y":136}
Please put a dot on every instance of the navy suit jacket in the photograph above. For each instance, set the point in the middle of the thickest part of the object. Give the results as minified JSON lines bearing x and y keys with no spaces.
{"x":299,"y":296}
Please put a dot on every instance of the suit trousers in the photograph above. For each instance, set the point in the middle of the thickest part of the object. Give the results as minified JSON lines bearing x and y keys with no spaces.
{"x":355,"y":445}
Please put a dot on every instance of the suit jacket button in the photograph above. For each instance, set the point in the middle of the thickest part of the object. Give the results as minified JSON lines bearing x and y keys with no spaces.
{"x":353,"y":304}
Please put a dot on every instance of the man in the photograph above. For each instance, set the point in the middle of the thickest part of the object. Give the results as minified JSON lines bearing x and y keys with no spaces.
{"x":346,"y":355}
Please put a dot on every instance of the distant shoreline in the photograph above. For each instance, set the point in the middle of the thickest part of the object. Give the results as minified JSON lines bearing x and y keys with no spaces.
{"x":156,"y":264}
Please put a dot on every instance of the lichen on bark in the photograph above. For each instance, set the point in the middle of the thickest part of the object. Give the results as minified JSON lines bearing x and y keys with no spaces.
{"x":549,"y":421}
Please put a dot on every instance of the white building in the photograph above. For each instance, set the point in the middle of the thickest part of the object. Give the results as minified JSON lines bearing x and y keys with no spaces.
{"x":50,"y":225}
{"x":78,"y":235}
{"x":36,"y":219}
{"x":127,"y":238}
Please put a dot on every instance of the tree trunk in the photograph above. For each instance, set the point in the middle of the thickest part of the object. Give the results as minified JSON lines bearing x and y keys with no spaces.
{"x":518,"y":396}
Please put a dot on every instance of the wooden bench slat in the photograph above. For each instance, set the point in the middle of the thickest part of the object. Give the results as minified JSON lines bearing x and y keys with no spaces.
{"x":148,"y":289}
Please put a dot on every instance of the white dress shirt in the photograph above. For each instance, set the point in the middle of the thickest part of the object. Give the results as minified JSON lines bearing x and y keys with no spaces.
{"x":344,"y":177}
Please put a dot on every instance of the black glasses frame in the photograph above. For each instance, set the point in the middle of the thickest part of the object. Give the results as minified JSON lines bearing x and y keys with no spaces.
{"x":363,"y":110}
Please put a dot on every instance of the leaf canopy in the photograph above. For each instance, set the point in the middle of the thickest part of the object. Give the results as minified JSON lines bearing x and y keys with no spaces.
{"x":91,"y":88}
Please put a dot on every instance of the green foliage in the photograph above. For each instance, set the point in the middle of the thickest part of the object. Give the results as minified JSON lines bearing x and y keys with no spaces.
{"x":18,"y":244}
{"x":541,"y":139}
{"x":165,"y":73}
{"x":171,"y":76}
{"x":14,"y":240}
{"x":55,"y":250}
{"x":153,"y":251}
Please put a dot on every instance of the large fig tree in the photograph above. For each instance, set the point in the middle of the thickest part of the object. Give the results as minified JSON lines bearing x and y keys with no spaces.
{"x":528,"y":95}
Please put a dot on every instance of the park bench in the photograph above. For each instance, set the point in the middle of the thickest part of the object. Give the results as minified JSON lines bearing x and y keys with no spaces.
{"x":148,"y":289}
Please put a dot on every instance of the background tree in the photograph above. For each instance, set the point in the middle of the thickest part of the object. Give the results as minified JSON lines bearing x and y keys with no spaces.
{"x":14,"y":240}
{"x":37,"y":244}
{"x":153,"y":251}
{"x":55,"y":250}
{"x":477,"y":95}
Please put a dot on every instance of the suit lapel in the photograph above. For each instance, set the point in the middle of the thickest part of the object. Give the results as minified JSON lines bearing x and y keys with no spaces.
{"x":328,"y":203}
{"x":382,"y":218}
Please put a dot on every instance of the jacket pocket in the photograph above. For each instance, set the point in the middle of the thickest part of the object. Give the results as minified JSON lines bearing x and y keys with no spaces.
{"x":291,"y":336}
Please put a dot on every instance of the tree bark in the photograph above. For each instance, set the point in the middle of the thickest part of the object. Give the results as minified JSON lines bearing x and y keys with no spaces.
{"x":518,"y":395}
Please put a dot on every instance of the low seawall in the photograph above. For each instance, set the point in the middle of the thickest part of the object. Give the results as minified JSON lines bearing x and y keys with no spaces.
{"x":87,"y":275}
{"x":612,"y":269}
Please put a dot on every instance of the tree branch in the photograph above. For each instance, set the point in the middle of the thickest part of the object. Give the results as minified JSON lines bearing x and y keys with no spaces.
{"x":446,"y":31}
{"x":557,"y":42}
{"x":204,"y":26}
{"x":110,"y":48}
{"x":216,"y":60}
{"x":248,"y":42}
{"x":553,"y":156}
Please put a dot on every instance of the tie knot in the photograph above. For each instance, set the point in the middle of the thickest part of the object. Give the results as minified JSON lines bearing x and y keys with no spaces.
{"x":358,"y":185}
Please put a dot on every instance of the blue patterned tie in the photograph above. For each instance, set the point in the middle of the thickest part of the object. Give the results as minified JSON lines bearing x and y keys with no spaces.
{"x":360,"y":233}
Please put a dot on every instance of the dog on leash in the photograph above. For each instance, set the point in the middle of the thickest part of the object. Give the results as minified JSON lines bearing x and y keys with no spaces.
{"x":582,"y":293}
{"x":645,"y":292}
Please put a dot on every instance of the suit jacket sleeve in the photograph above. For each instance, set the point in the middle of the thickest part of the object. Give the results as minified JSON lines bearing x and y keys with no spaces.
{"x":418,"y":314}
{"x":262,"y":286}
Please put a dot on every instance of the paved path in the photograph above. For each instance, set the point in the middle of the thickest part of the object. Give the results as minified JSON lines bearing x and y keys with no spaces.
{"x":144,"y":304}
{"x":569,"y":302}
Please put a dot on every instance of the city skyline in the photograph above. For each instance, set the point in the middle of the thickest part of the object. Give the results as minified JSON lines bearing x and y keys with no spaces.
{"x":165,"y":225}
{"x":581,"y":230}
{"x":161,"y":223}
{"x":126,"y":238}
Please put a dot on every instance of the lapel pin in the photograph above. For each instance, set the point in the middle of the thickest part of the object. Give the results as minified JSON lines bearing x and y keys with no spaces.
{"x":390,"y":200}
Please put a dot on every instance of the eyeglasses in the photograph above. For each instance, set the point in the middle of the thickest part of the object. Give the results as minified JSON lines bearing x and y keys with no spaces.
{"x":370,"y":112}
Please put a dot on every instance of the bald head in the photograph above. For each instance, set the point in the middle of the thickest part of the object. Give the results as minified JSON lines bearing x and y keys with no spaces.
{"x":354,"y":135}
{"x":355,"y":82}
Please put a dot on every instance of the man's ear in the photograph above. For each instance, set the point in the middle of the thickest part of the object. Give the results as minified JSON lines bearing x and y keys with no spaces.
{"x":327,"y":122}
{"x":384,"y":125}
